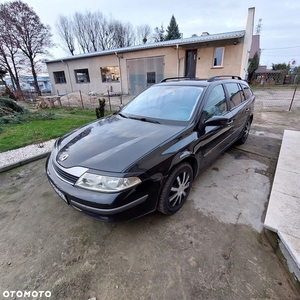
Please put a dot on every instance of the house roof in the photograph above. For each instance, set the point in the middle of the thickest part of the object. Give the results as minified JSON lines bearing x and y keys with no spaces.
{"x":179,"y":42}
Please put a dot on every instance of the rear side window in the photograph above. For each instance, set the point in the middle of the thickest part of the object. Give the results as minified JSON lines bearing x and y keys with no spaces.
{"x":216,"y":103}
{"x":247,"y":91}
{"x":235,"y":94}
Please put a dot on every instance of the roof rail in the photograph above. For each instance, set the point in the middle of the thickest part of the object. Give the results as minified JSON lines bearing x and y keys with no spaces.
{"x":221,"y":76}
{"x":179,"y":78}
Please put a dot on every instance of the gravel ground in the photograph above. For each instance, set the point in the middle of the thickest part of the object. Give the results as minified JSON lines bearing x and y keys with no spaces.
{"x":17,"y":155}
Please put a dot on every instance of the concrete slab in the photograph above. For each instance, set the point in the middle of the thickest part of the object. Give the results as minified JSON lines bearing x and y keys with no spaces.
{"x":284,"y":205}
{"x":283,"y":215}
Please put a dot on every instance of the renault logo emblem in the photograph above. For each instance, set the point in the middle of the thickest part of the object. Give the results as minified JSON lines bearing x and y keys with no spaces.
{"x":64,"y":157}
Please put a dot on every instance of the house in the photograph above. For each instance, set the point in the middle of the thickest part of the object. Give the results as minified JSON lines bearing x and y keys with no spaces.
{"x":130,"y":70}
{"x":27,"y":83}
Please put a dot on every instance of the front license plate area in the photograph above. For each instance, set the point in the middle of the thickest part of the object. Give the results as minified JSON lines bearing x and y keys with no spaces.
{"x":59,"y":193}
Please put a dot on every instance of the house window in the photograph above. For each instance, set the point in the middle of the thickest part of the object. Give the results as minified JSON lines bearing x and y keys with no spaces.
{"x":110,"y":74}
{"x":59,"y":77}
{"x":82,"y":75}
{"x":218,"y":57}
{"x":150,"y":78}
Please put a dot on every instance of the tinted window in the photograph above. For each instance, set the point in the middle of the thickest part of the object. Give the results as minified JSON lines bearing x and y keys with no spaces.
{"x":235,"y":94}
{"x":247,"y":91}
{"x":216,"y":103}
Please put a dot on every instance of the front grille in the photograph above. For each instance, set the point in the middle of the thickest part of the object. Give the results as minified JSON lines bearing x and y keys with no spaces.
{"x":64,"y":175}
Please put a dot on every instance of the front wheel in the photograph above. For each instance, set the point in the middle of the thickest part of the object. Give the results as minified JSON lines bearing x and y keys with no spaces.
{"x":245,"y":133}
{"x":175,"y":189}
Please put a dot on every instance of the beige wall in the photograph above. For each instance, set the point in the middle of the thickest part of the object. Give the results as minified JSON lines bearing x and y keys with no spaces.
{"x":231,"y":61}
{"x":174,"y":65}
{"x":93,"y":64}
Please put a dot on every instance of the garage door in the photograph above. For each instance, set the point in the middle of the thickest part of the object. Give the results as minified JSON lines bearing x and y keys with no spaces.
{"x":143,"y":72}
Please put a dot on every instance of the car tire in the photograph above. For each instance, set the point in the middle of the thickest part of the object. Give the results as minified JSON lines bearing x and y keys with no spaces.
{"x":245,"y":133}
{"x":175,"y":189}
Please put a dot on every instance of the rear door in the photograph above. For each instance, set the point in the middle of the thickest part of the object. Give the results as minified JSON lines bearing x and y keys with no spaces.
{"x":238,"y":107}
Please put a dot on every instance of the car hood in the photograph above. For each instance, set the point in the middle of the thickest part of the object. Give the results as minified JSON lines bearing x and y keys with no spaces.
{"x":112,"y":144}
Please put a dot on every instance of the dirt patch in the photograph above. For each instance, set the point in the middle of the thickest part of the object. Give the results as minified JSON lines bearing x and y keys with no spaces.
{"x":79,"y":100}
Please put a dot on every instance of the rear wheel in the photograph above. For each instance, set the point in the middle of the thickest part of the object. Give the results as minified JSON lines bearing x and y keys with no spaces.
{"x":176,"y":189}
{"x":245,"y":133}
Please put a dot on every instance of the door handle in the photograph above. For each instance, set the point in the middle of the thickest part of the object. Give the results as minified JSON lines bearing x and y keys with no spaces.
{"x":229,"y":122}
{"x":247,"y":110}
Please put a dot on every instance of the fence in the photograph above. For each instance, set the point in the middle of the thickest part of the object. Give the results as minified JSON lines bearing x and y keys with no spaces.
{"x":277,"y":98}
{"x":270,"y":77}
{"x":268,"y":98}
{"x":77,"y":100}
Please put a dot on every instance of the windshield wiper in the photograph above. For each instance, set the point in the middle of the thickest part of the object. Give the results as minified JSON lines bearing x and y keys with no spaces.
{"x":120,"y":114}
{"x":145,"y":120}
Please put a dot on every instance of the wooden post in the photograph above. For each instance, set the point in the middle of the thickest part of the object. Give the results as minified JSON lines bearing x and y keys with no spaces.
{"x":109,"y":100}
{"x":81,"y":99}
{"x":293,"y":99}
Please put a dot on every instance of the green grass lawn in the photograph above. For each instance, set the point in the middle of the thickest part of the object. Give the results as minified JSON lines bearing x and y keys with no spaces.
{"x":35,"y":131}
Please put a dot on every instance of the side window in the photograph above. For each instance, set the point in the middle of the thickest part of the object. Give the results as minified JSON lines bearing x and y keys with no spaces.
{"x":216,"y":103}
{"x":235,"y":94}
{"x":247,"y":91}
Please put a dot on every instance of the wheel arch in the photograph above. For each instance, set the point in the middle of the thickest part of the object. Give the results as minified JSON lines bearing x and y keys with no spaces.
{"x":191,"y":160}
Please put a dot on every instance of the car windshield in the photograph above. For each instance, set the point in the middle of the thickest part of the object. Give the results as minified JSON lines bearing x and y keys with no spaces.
{"x":175,"y":103}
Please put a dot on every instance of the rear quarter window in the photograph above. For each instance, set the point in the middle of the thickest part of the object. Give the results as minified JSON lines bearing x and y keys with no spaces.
{"x":247,"y":91}
{"x":235,"y":93}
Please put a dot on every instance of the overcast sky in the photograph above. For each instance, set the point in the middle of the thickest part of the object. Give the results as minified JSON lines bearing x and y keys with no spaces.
{"x":279,"y":36}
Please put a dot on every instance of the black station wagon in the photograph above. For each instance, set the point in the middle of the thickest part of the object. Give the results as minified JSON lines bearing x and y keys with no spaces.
{"x":145,"y":157}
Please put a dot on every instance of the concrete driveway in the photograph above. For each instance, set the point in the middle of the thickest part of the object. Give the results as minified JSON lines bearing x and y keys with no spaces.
{"x":213,"y":248}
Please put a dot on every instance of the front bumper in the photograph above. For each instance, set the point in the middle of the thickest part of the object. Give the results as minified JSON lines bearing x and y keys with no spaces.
{"x":107,"y":207}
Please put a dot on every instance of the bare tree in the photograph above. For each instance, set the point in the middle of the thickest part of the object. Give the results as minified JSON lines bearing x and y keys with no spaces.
{"x":106,"y":34}
{"x":123,"y":35}
{"x":64,"y":26}
{"x":93,"y":31}
{"x":143,"y":33}
{"x":11,"y":58}
{"x":80,"y":30}
{"x":159,"y":34}
{"x":31,"y":36}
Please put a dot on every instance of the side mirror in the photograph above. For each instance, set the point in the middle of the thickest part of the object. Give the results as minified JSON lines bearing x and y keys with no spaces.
{"x":216,"y":121}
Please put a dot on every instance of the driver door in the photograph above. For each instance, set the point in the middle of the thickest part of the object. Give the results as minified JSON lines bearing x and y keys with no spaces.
{"x":214,"y":137}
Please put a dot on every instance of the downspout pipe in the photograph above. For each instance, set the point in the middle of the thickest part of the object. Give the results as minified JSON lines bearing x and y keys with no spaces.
{"x":120,"y":73}
{"x":68,"y":74}
{"x":178,"y":60}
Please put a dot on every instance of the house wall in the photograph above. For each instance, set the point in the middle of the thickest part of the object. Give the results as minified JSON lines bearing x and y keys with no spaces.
{"x":93,"y":64}
{"x":174,"y":65}
{"x":231,"y":61}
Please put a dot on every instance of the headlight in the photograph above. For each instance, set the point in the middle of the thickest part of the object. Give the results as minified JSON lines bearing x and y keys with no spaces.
{"x":105,"y":184}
